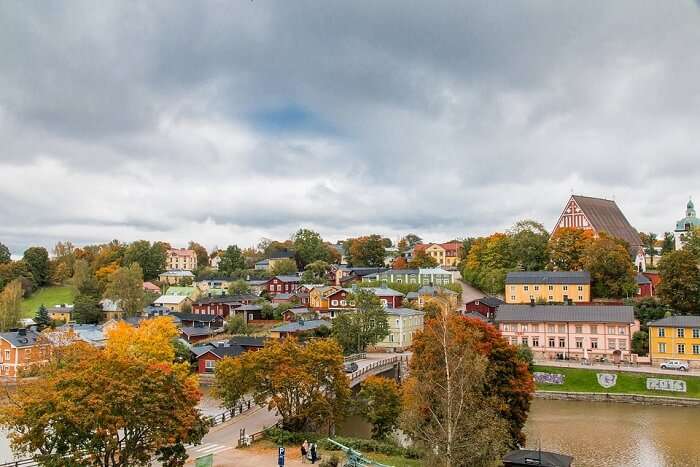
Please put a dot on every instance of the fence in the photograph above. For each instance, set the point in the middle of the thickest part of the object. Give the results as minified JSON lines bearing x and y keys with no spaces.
{"x":355,"y":357}
{"x":20,"y":463}
{"x":377,"y":364}
{"x":229,"y":414}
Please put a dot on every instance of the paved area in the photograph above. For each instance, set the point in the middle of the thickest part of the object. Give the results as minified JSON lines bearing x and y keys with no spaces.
{"x":469,"y":292}
{"x":612,"y":367}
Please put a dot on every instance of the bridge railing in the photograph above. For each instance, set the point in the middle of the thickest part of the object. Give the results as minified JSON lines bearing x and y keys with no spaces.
{"x":244,"y":406}
{"x":20,"y":463}
{"x":354,"y":357}
{"x":379,"y":363}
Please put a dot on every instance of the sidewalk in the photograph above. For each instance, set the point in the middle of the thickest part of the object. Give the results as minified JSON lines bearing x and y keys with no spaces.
{"x":612,"y":367}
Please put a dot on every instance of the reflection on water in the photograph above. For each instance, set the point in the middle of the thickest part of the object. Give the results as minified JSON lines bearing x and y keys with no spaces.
{"x":600,"y":434}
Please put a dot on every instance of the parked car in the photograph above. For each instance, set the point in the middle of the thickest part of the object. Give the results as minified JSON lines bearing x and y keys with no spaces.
{"x":351,"y":367}
{"x":675,"y":365}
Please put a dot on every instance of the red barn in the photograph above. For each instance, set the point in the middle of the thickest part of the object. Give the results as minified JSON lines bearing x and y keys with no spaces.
{"x":485,"y":306}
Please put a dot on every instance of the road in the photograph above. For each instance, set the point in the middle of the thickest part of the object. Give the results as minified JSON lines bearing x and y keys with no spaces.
{"x":469,"y":292}
{"x":611,"y":367}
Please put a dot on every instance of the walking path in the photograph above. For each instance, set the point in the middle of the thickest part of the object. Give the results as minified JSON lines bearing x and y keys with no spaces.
{"x":469,"y":292}
{"x":613,"y":367}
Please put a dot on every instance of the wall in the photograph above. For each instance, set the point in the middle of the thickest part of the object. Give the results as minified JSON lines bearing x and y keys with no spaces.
{"x":516,"y":293}
{"x":625,"y":398}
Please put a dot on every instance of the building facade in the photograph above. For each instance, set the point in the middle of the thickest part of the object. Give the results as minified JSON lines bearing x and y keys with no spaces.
{"x":282,"y":284}
{"x":485,"y":306}
{"x":424,"y":276}
{"x":403,"y":323}
{"x":585,"y":332}
{"x":19,"y":350}
{"x":675,"y":338}
{"x":446,"y":254}
{"x":548,"y":286}
{"x":181,"y":259}
{"x":685,"y":225}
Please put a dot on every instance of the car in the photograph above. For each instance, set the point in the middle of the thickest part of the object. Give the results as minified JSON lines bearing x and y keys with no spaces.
{"x":350,"y":367}
{"x":675,"y":365}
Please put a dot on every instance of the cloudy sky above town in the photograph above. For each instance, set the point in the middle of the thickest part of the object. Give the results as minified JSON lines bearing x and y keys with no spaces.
{"x":225,"y":122}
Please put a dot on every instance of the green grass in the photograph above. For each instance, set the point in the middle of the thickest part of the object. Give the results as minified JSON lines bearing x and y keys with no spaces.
{"x":584,"y":380}
{"x":396,"y":461}
{"x":48,"y":296}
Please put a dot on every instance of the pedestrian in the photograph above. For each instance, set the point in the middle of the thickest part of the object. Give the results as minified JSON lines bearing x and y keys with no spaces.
{"x":312,"y":450}
{"x":304,"y":451}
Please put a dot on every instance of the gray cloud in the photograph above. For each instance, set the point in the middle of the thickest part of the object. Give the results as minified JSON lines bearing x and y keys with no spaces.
{"x":446,"y":118}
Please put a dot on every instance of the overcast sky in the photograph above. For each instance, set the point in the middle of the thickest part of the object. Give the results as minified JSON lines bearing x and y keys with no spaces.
{"x":228,"y":121}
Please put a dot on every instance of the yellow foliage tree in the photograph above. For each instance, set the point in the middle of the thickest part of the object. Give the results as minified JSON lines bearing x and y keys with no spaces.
{"x":151,"y":342}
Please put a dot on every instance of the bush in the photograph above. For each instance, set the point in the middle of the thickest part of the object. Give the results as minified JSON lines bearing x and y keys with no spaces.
{"x":333,"y":461}
{"x":285,"y":438}
{"x":369,"y":445}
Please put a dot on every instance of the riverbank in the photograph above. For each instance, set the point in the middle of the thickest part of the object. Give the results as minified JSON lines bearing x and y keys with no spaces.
{"x":625,"y":386}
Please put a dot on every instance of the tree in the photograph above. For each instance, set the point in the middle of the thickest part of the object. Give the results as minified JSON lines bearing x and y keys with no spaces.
{"x":305,"y":384}
{"x":528,"y":244}
{"x":649,"y":243}
{"x":379,"y":403}
{"x":151,"y":258}
{"x":447,"y":405}
{"x":640,"y":343}
{"x":237,"y":325}
{"x":422,"y":260}
{"x":612,"y":272}
{"x":81,"y":275}
{"x":399,"y":263}
{"x":680,"y":281}
{"x":309,"y":247}
{"x":38,"y":260}
{"x":366,"y":251}
{"x":238,"y":287}
{"x":366,"y":326}
{"x":125,"y":286}
{"x":64,"y":257}
{"x":284,"y":267}
{"x":201,"y":252}
{"x":42,"y":319}
{"x":5,"y":256}
{"x":150,"y":343}
{"x":466,"y":247}
{"x":86,"y":309}
{"x":668,"y":243}
{"x":566,"y":248}
{"x":17,"y":270}
{"x":648,"y":309}
{"x":691,"y":241}
{"x":104,"y":410}
{"x":317,"y":272}
{"x":412,"y":240}
{"x":231,"y":261}
{"x":10,"y":305}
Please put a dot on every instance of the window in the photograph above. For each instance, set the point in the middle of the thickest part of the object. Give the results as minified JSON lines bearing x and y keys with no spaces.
{"x":680,"y":332}
{"x":622,"y":344}
{"x":535,"y":341}
{"x":532,"y":297}
{"x":551,"y":287}
{"x":579,"y":329}
{"x":334,"y":302}
{"x":696,"y":333}
{"x":594,"y":329}
{"x":525,"y":288}
{"x":561,"y":328}
{"x":621,"y":331}
{"x":681,"y":348}
{"x":662,"y":332}
{"x":662,"y":347}
{"x":562,"y":342}
{"x":343,"y":303}
{"x":512,"y":298}
{"x":550,"y":298}
{"x":209,"y":365}
{"x":611,"y":344}
{"x":525,"y":341}
{"x":550,"y":328}
{"x":537,"y":288}
{"x":566,"y":287}
{"x":580,"y":288}
{"x":535,"y":327}
{"x":512,"y":288}
{"x":594,"y":343}
{"x":579,"y":343}
{"x":696,"y":349}
{"x":580,"y":298}
{"x":551,"y":342}
{"x":514,"y":340}
{"x":7,"y":355}
{"x":611,"y":330}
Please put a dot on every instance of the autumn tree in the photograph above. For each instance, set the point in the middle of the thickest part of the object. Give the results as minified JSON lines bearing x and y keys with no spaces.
{"x":680,"y":281}
{"x":238,"y":287}
{"x":305,"y":383}
{"x":237,"y":325}
{"x":10,"y":305}
{"x":649,"y":244}
{"x":448,"y":405}
{"x":366,"y":251}
{"x":379,"y":403}
{"x":104,"y":410}
{"x":488,"y":261}
{"x":151,"y":257}
{"x":17,"y":270}
{"x":231,"y":261}
{"x":38,"y":260}
{"x":566,"y":248}
{"x":5,"y":256}
{"x":151,"y":342}
{"x":366,"y":326}
{"x":200,"y":252}
{"x":284,"y":267}
{"x":316,"y":273}
{"x":422,"y":260}
{"x":399,"y":263}
{"x":125,"y":286}
{"x":612,"y":271}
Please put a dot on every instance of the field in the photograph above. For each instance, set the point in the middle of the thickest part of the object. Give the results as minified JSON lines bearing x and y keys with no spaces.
{"x":580,"y":380}
{"x":48,"y":296}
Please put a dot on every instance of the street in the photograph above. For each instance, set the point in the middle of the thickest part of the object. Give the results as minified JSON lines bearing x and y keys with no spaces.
{"x":612,"y":367}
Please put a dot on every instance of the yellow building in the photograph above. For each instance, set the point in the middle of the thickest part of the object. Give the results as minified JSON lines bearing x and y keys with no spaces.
{"x":61,"y":313}
{"x":548,"y":286}
{"x":446,"y":254}
{"x":318,"y":297}
{"x":675,"y":338}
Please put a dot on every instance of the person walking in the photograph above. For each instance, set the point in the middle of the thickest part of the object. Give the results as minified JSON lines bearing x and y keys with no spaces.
{"x":313,"y":453}
{"x":304,"y":451}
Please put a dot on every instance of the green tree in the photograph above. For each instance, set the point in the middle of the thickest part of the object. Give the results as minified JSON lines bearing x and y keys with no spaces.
{"x":648,"y":309}
{"x":10,"y":305}
{"x":151,"y":257}
{"x":86,"y":309}
{"x":284,"y":267}
{"x":412,"y":240}
{"x":366,"y":251}
{"x":309,"y":247}
{"x":17,"y":270}
{"x":640,"y":343}
{"x":232,"y":260}
{"x":237,"y":325}
{"x":125,"y":286}
{"x":612,"y":272}
{"x":201,"y":252}
{"x":38,"y":260}
{"x":364,"y":327}
{"x":238,"y":287}
{"x":5,"y":256}
{"x":668,"y":244}
{"x":528,"y":245}
{"x":41,"y":318}
{"x":316,"y":273}
{"x":680,"y":281}
{"x":379,"y":403}
{"x":649,"y":244}
{"x":691,"y":241}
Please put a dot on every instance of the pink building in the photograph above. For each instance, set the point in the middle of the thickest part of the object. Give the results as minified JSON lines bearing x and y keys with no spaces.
{"x":570,"y":332}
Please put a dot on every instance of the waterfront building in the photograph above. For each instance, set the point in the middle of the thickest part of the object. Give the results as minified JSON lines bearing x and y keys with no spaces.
{"x":548,"y":286}
{"x":570,"y":332}
{"x":675,"y":338}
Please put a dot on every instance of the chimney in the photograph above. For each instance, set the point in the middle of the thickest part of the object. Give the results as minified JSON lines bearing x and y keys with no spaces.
{"x":532,"y":302}
{"x":22,"y":332}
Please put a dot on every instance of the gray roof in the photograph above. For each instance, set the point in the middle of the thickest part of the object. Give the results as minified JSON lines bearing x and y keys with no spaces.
{"x":17,"y":340}
{"x":474,"y":315}
{"x":282,"y":255}
{"x":642,"y":279}
{"x":489,"y":301}
{"x":288,"y":278}
{"x":200,"y":317}
{"x":412,"y":295}
{"x":403,"y":312}
{"x":434,"y":291}
{"x":177,"y":273}
{"x":549,"y":277}
{"x":677,"y":321}
{"x":298,"y":326}
{"x":248,"y":341}
{"x":200,"y":331}
{"x":565,"y":313}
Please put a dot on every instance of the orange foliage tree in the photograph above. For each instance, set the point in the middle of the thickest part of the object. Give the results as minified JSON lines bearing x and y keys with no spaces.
{"x":151,"y":342}
{"x":566,"y":248}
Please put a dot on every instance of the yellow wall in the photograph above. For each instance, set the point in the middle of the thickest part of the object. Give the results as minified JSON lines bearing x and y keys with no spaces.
{"x":517,"y":293}
{"x":60,"y":315}
{"x":672,"y":340}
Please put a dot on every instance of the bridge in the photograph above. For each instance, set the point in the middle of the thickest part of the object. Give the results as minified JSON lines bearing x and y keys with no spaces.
{"x":374,"y":364}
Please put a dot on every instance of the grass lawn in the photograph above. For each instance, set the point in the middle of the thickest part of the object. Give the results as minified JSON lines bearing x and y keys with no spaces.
{"x":584,"y":380}
{"x":48,"y":296}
